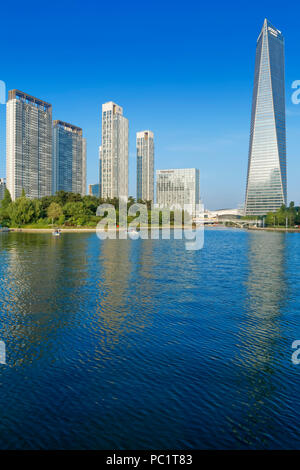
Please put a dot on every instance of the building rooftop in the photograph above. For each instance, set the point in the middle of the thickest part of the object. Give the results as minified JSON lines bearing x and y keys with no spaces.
{"x":14,"y":94}
{"x":111,"y":106}
{"x":68,"y":126}
{"x":145,"y":134}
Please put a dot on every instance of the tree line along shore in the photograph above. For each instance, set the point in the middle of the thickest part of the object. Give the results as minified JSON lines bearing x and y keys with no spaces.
{"x":68,"y":211}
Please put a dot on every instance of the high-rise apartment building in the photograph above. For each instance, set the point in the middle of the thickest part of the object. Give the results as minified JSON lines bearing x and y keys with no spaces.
{"x":83,"y":174}
{"x":266,"y":180}
{"x":178,"y":188}
{"x":145,"y":165}
{"x":114,"y":152}
{"x":100,"y":173}
{"x":2,"y":188}
{"x":69,"y":158}
{"x":28,"y":145}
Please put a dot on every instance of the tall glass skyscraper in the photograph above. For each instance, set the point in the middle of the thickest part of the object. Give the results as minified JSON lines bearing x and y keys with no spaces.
{"x":69,"y":158}
{"x":266,"y":181}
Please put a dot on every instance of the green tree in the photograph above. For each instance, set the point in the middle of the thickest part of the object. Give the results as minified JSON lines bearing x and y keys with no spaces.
{"x":281,"y":215}
{"x":270,"y":219}
{"x":291,"y":214}
{"x":54,"y":211}
{"x":61,"y":197}
{"x":77,"y":213}
{"x":38,"y":210}
{"x":91,"y":203}
{"x":45,"y":203}
{"x":22,"y":211}
{"x":6,"y":199}
{"x":284,"y":216}
{"x":4,"y":209}
{"x":74,"y":197}
{"x":130,"y":202}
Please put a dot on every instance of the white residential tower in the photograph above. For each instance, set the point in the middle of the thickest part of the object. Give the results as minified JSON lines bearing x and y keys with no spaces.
{"x":114,"y":152}
{"x":145,"y":165}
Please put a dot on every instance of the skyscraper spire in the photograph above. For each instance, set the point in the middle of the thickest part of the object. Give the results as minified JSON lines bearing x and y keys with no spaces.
{"x":266,"y":181}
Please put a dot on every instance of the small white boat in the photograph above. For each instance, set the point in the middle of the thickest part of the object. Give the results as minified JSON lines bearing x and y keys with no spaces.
{"x":133,"y":234}
{"x":56,"y":233}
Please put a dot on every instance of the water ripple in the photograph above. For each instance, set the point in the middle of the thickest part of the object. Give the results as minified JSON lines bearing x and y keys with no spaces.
{"x":141,"y":344}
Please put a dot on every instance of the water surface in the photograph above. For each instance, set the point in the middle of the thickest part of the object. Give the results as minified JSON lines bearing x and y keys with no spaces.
{"x":142,"y":344}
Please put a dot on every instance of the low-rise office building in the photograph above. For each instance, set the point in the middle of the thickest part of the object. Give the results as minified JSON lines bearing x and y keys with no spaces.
{"x":178,"y":189}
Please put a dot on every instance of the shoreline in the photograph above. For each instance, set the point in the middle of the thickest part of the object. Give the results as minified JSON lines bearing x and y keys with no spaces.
{"x":275,"y":229}
{"x":80,"y":230}
{"x":93,"y":230}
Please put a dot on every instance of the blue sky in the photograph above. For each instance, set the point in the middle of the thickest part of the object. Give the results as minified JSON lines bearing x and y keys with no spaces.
{"x":182,"y":69}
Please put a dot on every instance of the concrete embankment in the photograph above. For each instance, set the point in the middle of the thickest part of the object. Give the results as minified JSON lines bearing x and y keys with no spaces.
{"x":275,"y":229}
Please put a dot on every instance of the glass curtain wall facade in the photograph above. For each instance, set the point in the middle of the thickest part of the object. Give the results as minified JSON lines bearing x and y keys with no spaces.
{"x":266,"y":180}
{"x":69,"y":158}
{"x":94,"y":190}
{"x":114,"y":152}
{"x":145,"y":165}
{"x":28,"y":145}
{"x":178,"y":188}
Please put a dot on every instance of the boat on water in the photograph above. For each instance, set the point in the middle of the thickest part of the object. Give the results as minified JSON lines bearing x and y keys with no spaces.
{"x":133,"y":234}
{"x":56,"y":233}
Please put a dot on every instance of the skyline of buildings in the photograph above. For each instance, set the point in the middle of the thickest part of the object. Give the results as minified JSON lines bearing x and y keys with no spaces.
{"x":266,"y":179}
{"x":145,"y":165}
{"x":28,"y":143}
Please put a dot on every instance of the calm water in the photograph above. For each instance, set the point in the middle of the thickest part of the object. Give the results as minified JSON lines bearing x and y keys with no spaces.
{"x":142,"y":344}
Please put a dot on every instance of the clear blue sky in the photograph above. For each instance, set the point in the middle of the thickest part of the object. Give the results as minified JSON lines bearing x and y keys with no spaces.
{"x":182,"y":69}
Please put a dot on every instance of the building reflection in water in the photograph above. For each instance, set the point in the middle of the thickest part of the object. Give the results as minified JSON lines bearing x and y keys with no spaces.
{"x":38,"y":300}
{"x":260,"y":337}
{"x":124,"y":289}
